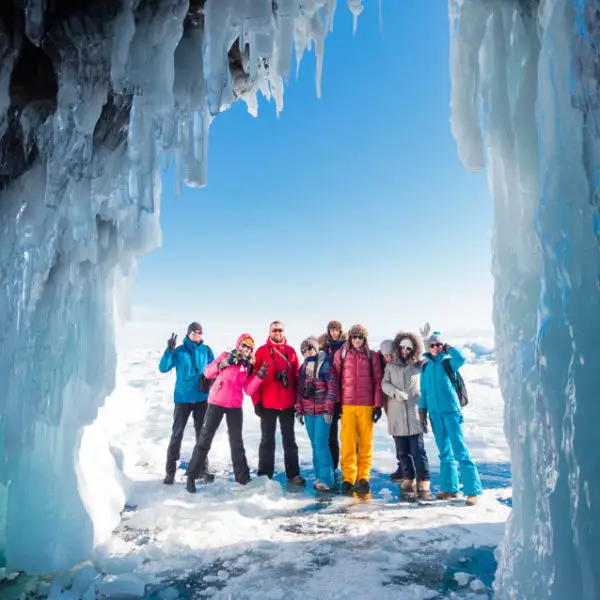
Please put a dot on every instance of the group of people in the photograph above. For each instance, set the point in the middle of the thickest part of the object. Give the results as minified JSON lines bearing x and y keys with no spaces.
{"x":341,"y":384}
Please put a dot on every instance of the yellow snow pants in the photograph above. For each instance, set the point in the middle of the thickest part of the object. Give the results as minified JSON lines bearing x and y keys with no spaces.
{"x":357,"y":443}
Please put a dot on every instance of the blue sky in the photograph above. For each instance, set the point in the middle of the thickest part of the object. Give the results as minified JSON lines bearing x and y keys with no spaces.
{"x":353,"y":207}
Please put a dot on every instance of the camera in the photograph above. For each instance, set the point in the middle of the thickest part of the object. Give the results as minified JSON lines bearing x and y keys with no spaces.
{"x":309,"y":390}
{"x":282,"y":377}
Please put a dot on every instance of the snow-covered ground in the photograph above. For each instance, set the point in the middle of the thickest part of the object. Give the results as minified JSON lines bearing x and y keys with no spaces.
{"x":229,"y":542}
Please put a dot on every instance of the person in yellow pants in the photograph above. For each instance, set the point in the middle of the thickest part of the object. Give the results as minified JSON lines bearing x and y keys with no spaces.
{"x":359,"y":371}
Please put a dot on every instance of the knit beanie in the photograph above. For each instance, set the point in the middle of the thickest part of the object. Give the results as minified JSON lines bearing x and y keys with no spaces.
{"x":333,"y":325}
{"x":387,"y":347}
{"x":310,"y":342}
{"x":358,"y":330}
{"x":248,"y":341}
{"x":194,"y":326}
{"x":435,"y":337}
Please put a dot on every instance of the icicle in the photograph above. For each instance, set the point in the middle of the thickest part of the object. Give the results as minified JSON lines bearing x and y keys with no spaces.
{"x":356,"y":7}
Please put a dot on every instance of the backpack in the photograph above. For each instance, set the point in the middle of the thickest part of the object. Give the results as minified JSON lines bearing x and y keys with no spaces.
{"x":457,"y":381}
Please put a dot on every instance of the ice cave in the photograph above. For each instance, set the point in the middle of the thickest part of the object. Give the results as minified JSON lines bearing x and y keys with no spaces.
{"x":83,"y":118}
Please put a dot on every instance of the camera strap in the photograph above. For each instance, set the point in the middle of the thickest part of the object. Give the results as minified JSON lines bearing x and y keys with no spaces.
{"x":287,"y":362}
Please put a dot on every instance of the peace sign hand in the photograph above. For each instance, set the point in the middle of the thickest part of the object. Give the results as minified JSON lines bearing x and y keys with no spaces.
{"x":172,"y":342}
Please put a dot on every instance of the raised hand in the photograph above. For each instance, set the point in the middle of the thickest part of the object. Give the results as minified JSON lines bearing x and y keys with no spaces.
{"x":425,"y":330}
{"x":172,"y":342}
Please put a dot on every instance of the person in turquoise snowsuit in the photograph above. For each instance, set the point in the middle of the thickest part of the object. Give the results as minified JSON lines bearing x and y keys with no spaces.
{"x":189,"y":361}
{"x":440,"y":400}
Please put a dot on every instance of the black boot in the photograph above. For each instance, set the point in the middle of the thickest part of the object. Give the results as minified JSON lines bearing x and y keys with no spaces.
{"x":362,"y":487}
{"x":169,"y":479}
{"x":190,"y":485}
{"x":206,"y":477}
{"x":347,"y":488}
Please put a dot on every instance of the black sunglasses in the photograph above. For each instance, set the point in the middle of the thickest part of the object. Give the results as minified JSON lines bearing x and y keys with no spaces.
{"x":195,"y":332}
{"x":358,"y":337}
{"x":436,"y":345}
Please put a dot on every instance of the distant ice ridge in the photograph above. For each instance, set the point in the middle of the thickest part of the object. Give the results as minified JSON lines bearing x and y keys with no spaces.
{"x":74,"y":222}
{"x":525,"y":97}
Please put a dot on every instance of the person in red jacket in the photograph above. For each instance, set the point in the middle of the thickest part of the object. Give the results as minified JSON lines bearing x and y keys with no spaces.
{"x":274,"y":401}
{"x":359,"y":370}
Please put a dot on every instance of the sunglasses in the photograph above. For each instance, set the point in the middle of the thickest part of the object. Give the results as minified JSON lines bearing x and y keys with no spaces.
{"x":310,"y":349}
{"x":278,"y":330}
{"x":195,"y":333}
{"x":435,"y":345}
{"x":242,"y":345}
{"x":407,"y":348}
{"x":358,"y":337}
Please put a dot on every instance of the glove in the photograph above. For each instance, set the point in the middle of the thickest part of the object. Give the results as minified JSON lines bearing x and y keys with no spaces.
{"x":423,"y":419}
{"x":376,"y":414}
{"x":262,"y":371}
{"x":172,"y":342}
{"x":400,"y":395}
{"x":300,"y":418}
{"x":259,"y":411}
{"x":224,"y":364}
{"x":328,"y":419}
{"x":425,"y":331}
{"x":446,"y":348}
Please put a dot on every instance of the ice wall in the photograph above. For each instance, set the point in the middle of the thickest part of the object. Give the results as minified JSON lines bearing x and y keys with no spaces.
{"x":525,"y":100}
{"x":89,"y":94}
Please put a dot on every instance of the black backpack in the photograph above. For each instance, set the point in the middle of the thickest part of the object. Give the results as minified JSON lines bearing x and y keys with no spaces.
{"x":457,"y":381}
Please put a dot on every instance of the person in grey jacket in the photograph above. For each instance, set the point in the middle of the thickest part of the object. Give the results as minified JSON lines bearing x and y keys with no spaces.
{"x":401,"y":383}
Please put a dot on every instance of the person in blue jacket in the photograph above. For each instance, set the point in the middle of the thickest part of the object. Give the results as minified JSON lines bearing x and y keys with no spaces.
{"x":191,"y":391}
{"x":440,"y":399}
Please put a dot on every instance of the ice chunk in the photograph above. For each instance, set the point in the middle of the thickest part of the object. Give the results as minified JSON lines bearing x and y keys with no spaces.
{"x":462,"y":578}
{"x":122,"y":586}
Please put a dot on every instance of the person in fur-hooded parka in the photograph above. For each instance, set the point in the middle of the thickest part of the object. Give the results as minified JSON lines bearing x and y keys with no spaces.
{"x":401,"y":383}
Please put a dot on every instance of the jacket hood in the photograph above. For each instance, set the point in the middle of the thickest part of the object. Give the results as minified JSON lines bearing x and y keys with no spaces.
{"x":324,"y":340}
{"x":244,"y":336}
{"x":416,"y":355}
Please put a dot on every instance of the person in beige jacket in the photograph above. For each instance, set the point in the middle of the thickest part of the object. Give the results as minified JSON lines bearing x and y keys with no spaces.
{"x":401,"y":385}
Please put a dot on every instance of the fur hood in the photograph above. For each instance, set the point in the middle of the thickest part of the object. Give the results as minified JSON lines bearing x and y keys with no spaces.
{"x":416,"y":355}
{"x":323,"y":339}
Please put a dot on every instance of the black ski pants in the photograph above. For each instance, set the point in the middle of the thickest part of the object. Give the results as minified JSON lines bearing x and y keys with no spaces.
{"x":181,"y":416}
{"x":214,"y":416}
{"x":334,"y":441}
{"x":266,"y":450}
{"x":410,"y":451}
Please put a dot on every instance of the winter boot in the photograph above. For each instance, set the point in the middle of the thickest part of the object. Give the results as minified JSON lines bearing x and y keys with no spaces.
{"x":397,"y":474}
{"x":169,"y":479}
{"x":190,"y":485}
{"x":362,"y":487}
{"x":424,"y":490}
{"x":446,"y":496}
{"x":245,"y":481}
{"x":347,"y":488}
{"x":321,"y":487}
{"x":296,"y":480}
{"x":471,"y":500}
{"x":206,"y":477}
{"x":408,"y":486}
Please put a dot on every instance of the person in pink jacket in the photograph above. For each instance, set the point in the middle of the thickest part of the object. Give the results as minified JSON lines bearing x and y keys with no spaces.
{"x":234,"y":372}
